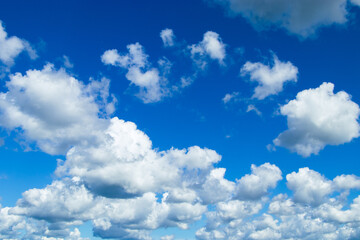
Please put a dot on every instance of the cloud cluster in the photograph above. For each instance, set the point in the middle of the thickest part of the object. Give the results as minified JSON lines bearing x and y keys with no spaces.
{"x":11,"y":47}
{"x":153,"y":82}
{"x":152,"y":86}
{"x":319,"y":117}
{"x":270,"y":79}
{"x":300,"y":17}
{"x":317,"y":209}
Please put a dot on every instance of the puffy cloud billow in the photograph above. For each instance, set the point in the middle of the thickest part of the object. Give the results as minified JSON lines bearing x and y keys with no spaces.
{"x":319,"y":117}
{"x":31,"y":99}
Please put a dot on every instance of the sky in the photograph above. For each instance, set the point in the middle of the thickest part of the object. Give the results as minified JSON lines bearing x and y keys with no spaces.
{"x":199,"y":119}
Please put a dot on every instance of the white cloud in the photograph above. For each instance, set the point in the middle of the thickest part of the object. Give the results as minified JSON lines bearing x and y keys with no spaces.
{"x":167,"y":237}
{"x":230,"y":97}
{"x":151,"y":84}
{"x":67,"y":62}
{"x":309,"y":187}
{"x":347,"y":182}
{"x":252,"y":107}
{"x":300,"y":17}
{"x":257,"y":184}
{"x":211,"y":47}
{"x":318,"y":117}
{"x":124,"y":165}
{"x":54,"y":109}
{"x":11,"y":47}
{"x":271,"y":79}
{"x":312,"y":213}
{"x":168,"y":37}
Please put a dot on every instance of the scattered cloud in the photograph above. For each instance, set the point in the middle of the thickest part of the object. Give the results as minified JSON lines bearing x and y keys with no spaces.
{"x":258,"y":183}
{"x":211,"y":47}
{"x":151,"y":84}
{"x":271,"y":79}
{"x":252,"y":107}
{"x":67,"y":62}
{"x":168,"y":37}
{"x":318,"y":117}
{"x":300,"y":17}
{"x":11,"y":47}
{"x":230,"y":97}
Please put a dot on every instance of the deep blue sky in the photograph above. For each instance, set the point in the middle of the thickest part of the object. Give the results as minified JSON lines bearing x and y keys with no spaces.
{"x":83,"y":30}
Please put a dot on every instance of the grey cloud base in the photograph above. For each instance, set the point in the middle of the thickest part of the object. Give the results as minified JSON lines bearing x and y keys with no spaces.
{"x":300,"y":17}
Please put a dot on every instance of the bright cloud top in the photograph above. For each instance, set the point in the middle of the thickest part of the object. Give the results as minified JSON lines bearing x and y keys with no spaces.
{"x":211,"y":47}
{"x":168,"y":37}
{"x":271,"y":79}
{"x":314,"y":211}
{"x":11,"y":47}
{"x":318,"y":117}
{"x":31,"y":99}
{"x":300,"y":17}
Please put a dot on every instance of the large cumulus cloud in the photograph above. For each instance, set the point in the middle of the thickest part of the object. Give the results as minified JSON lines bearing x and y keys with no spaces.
{"x":319,"y":117}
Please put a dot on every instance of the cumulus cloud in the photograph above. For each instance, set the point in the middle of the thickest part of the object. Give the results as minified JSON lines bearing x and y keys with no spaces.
{"x":54,"y":109}
{"x":319,"y":117}
{"x":257,"y":184}
{"x":300,"y":17}
{"x":313,"y":212}
{"x":168,"y":37}
{"x":149,"y":80}
{"x":11,"y":47}
{"x":309,"y":186}
{"x":124,"y":165}
{"x":211,"y":47}
{"x":271,"y":79}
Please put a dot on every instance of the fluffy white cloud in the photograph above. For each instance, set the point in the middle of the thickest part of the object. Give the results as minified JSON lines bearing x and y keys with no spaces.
{"x":54,"y":109}
{"x":318,"y":117}
{"x":151,"y":83}
{"x":168,"y":37}
{"x":11,"y":47}
{"x":211,"y":47}
{"x":271,"y":79}
{"x":347,"y":182}
{"x":309,"y":187}
{"x":125,"y":165}
{"x":256,"y":185}
{"x":300,"y":17}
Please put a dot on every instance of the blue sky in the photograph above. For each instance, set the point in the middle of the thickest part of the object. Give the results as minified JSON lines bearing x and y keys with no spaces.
{"x":206,"y":119}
